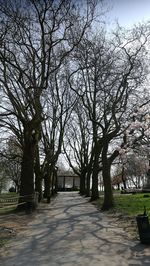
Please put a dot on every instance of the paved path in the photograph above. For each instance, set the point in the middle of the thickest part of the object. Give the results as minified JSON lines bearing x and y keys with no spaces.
{"x":72,"y":232}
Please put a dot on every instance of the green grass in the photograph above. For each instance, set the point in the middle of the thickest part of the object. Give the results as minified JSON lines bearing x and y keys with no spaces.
{"x":130,"y":204}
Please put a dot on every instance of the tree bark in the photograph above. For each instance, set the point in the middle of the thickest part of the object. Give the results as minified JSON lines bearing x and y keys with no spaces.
{"x":27,"y":174}
{"x":47,"y":186}
{"x":38,"y":178}
{"x":88,"y":178}
{"x":53,"y":183}
{"x":123,"y":178}
{"x":82,"y":183}
{"x":56,"y":182}
{"x":95,"y":192}
{"x":30,"y":141}
{"x":108,"y":194}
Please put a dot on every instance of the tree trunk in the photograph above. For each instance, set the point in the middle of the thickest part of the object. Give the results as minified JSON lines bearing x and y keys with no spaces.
{"x":17,"y":186}
{"x":56,"y":182}
{"x":88,"y":178}
{"x":98,"y":144}
{"x":53,"y":184}
{"x":53,"y":179}
{"x":38,"y":183}
{"x":47,"y":186}
{"x":30,"y":141}
{"x":38,"y":178}
{"x":118,"y":185}
{"x":27,"y":175}
{"x":108,"y":194}
{"x":123,"y":178}
{"x":95,"y":192}
{"x":82,"y":183}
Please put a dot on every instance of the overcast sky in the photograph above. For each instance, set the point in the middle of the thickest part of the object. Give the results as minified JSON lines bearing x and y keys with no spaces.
{"x":128,"y":12}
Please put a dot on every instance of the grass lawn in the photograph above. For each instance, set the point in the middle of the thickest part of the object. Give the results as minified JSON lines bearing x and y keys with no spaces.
{"x":130,"y":204}
{"x":127,"y":207}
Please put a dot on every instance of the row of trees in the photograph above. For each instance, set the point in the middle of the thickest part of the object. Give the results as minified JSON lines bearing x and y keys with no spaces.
{"x":36,"y":40}
{"x":109,"y":119}
{"x":66,"y":87}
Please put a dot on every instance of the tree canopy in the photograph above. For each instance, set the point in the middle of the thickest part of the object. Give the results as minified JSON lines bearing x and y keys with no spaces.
{"x":69,"y":89}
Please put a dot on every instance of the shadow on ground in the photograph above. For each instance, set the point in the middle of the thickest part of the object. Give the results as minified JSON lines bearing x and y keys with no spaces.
{"x":71,"y":232}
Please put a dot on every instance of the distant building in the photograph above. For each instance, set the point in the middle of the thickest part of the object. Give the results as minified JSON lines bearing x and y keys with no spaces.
{"x":66,"y":181}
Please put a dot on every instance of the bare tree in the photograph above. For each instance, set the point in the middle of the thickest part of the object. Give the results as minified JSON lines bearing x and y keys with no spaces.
{"x":30,"y":40}
{"x":58,"y":104}
{"x":107,"y":77}
{"x":78,"y":146}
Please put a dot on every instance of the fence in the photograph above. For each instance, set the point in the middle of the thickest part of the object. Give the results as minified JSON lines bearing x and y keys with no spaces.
{"x":9,"y":202}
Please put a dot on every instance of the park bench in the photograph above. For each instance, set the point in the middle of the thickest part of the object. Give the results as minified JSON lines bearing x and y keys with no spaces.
{"x":143,"y":228}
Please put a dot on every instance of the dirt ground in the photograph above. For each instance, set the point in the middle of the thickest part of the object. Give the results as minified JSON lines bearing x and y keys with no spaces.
{"x":127,"y":223}
{"x":11,"y":224}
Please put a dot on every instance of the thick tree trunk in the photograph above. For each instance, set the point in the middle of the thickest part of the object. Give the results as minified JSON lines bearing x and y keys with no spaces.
{"x":123,"y":179}
{"x":47,"y":187}
{"x":82,"y":183}
{"x":53,"y":184}
{"x":27,"y":170}
{"x":27,"y":176}
{"x":108,"y":194}
{"x":38,"y":178}
{"x":95,"y":192}
{"x":98,"y":144}
{"x":30,"y":141}
{"x":38,"y":184}
{"x":53,"y":179}
{"x":88,"y":178}
{"x":56,"y":182}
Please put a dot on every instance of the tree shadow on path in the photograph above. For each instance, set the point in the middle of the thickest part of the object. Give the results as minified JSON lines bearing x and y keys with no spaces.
{"x":71,"y":232}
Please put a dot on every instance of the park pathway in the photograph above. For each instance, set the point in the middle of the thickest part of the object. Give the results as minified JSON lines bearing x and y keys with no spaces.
{"x":72,"y":232}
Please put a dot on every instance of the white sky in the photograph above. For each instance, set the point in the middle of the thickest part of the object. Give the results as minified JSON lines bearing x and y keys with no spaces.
{"x":128,"y":12}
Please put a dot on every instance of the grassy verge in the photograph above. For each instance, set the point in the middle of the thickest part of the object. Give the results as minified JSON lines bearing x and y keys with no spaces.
{"x":130,"y":204}
{"x":127,"y":207}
